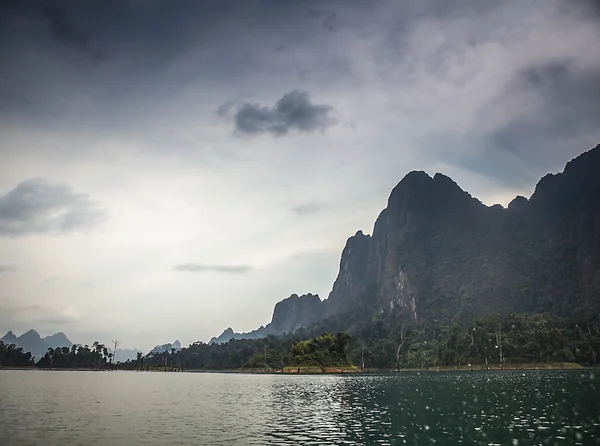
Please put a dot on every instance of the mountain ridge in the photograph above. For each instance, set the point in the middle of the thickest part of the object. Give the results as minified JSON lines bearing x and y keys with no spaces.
{"x":31,"y":341}
{"x":437,"y":252}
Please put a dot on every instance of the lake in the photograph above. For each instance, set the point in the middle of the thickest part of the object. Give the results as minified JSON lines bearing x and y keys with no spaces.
{"x":128,"y":408}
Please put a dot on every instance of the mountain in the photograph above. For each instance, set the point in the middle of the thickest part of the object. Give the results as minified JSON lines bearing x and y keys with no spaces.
{"x":9,"y":338}
{"x":57,"y":340}
{"x":289,"y":315}
{"x":437,"y":253}
{"x":31,"y":341}
{"x":165,"y":347}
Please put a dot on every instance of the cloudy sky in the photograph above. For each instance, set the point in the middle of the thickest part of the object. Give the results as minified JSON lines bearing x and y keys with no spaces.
{"x":169,"y":169}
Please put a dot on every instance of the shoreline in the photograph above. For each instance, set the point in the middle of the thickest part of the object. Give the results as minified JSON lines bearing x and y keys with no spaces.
{"x":311,"y":370}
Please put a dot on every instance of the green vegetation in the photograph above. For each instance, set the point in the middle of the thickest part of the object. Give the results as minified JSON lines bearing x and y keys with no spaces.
{"x":11,"y":356}
{"x":385,"y":342}
{"x":324,"y":351}
{"x":96,"y":357}
{"x":494,"y":339}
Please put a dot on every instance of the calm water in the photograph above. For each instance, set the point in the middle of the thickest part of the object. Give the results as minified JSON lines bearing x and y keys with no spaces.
{"x":508,"y":408}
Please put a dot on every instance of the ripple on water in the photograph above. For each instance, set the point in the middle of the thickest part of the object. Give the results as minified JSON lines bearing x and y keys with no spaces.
{"x":493,"y":408}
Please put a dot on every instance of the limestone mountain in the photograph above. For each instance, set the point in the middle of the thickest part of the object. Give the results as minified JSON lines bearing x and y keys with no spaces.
{"x":31,"y":341}
{"x":437,"y":253}
{"x":289,"y":315}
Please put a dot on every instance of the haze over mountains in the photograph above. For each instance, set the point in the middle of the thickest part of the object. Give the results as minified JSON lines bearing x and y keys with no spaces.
{"x":31,"y":341}
{"x":439,"y":253}
{"x":166,"y":347}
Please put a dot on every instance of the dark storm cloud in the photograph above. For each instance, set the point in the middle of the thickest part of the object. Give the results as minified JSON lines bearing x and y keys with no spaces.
{"x":63,"y":28}
{"x":569,"y":99}
{"x":294,"y":111}
{"x":202,"y":268}
{"x":38,"y":206}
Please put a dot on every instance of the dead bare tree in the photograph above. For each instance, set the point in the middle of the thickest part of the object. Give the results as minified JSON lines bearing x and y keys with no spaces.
{"x":116,"y":343}
{"x":400,"y":340}
{"x":362,"y":356}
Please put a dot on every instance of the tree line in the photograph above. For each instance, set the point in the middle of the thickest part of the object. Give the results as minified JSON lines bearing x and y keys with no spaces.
{"x":12,"y":356}
{"x":387,"y":341}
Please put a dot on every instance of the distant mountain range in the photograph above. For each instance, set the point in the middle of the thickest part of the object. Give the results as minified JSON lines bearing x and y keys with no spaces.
{"x":166,"y":347}
{"x":437,"y":253}
{"x":31,"y":341}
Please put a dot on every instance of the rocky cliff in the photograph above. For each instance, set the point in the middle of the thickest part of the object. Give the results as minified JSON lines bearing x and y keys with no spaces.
{"x":289,"y":315}
{"x":438,"y":253}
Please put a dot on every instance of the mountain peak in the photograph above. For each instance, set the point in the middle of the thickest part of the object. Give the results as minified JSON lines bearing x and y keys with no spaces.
{"x":578,"y":181}
{"x":9,"y":338}
{"x":416,"y":175}
{"x":518,"y":203}
{"x":440,"y":178}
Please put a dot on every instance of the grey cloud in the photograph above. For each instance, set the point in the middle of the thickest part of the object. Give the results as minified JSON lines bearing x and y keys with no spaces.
{"x":7,"y":268}
{"x":22,"y":316}
{"x":66,"y":30}
{"x":293,"y":111}
{"x":569,"y":100}
{"x":309,"y":208}
{"x":200,"y":268}
{"x":63,"y":28}
{"x":38,"y":206}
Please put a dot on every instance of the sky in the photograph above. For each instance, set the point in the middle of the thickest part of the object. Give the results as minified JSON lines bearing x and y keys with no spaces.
{"x":171,"y":169}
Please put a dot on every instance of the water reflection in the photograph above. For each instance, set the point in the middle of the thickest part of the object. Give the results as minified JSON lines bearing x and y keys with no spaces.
{"x":473,"y":408}
{"x":509,"y":408}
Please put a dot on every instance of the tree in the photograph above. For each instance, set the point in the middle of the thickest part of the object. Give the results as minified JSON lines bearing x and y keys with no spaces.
{"x":116,"y":343}
{"x":400,"y":339}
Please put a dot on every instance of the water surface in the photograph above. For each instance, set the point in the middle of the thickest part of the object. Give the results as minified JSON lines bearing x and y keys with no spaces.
{"x":127,"y":408}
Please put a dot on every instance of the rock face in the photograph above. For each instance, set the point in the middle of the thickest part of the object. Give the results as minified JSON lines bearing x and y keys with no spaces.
{"x":289,"y":315}
{"x":438,"y":253}
{"x":295,"y":312}
{"x":31,"y":341}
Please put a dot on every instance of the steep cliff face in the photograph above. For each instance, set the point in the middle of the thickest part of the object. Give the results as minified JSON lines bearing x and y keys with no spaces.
{"x":437,"y":252}
{"x":295,"y":312}
{"x":289,"y":315}
{"x":422,"y":224}
{"x":350,"y":284}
